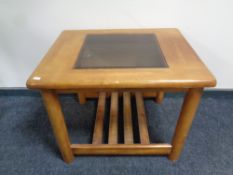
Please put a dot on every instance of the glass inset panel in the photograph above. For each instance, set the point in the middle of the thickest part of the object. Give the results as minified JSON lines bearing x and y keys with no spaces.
{"x":121,"y":51}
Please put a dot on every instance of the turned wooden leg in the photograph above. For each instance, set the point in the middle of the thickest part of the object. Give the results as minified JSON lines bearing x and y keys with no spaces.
{"x":81,"y":98}
{"x":160,"y":97}
{"x":58,"y":124}
{"x":184,"y":122}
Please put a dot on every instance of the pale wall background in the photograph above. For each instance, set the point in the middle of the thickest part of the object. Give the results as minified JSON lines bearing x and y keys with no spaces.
{"x":29,"y":27}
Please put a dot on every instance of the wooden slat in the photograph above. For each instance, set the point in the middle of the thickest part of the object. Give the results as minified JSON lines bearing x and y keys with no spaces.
{"x":99,"y":122}
{"x":128,"y":128}
{"x":121,"y":149}
{"x":142,"y":121}
{"x":113,"y":123}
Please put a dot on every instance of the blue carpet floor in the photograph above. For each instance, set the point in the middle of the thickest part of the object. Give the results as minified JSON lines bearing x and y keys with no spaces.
{"x":27,"y":145}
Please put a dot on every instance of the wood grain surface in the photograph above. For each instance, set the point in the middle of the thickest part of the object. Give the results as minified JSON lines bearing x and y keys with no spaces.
{"x":185,"y":69}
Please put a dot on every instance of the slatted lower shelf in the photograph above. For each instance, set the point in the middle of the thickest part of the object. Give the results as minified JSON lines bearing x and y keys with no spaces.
{"x":113,"y":147}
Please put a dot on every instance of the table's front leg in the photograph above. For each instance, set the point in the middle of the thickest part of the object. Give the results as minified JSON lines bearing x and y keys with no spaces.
{"x":58,"y":124}
{"x":184,"y":122}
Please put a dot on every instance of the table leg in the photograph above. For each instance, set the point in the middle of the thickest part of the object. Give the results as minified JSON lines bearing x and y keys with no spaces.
{"x":82,"y":98}
{"x":160,"y":97}
{"x":184,"y":122}
{"x":58,"y":124}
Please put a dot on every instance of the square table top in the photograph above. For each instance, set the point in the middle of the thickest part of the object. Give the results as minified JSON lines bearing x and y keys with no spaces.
{"x":121,"y":58}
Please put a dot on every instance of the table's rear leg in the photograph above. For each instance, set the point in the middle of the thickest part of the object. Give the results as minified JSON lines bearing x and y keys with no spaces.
{"x":81,"y":97}
{"x":159,"y":97}
{"x":184,"y":122}
{"x":58,"y":124}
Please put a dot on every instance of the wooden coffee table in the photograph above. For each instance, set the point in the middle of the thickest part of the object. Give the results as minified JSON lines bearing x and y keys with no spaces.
{"x":131,"y":63}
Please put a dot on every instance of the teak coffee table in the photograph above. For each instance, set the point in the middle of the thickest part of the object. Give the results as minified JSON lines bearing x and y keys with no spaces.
{"x":128,"y":63}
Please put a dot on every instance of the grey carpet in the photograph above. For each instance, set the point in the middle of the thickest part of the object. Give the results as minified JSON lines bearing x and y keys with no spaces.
{"x":27,"y":145}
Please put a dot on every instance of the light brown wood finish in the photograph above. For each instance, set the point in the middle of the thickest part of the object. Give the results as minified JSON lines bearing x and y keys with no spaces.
{"x":121,"y":149}
{"x":58,"y":124}
{"x":128,"y":128}
{"x":82,"y":98}
{"x":142,"y":120}
{"x":56,"y":71}
{"x":99,"y":122}
{"x":184,"y":122}
{"x":113,"y":123}
{"x":185,"y":70}
{"x":94,"y":93}
{"x":160,"y":97}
